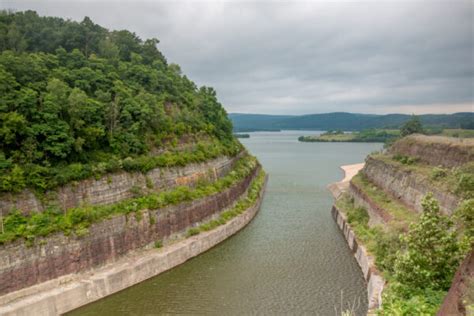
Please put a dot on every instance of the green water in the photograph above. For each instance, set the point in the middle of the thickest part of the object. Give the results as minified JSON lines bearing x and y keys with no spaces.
{"x":291,"y":259}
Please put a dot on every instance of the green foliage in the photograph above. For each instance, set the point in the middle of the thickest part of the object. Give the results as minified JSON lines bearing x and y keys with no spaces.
{"x":358,"y":216}
{"x":253,"y":193}
{"x":406,"y":160}
{"x":466,"y":184}
{"x":401,"y":300}
{"x":413,"y":126}
{"x":418,"y":265}
{"x":464,"y":217}
{"x":438,"y":173}
{"x":77,"y":219}
{"x":430,"y":253}
{"x":158,"y":244}
{"x":77,"y":94}
{"x":193,"y":231}
{"x":365,"y":136}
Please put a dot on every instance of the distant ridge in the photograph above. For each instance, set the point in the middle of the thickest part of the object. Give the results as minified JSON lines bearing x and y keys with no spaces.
{"x":344,"y":121}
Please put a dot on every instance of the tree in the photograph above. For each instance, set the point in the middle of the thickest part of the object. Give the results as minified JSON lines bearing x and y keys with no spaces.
{"x":431,"y":250}
{"x":412,"y":126}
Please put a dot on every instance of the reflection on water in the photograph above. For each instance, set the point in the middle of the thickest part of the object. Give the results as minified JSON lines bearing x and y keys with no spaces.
{"x":291,"y":259}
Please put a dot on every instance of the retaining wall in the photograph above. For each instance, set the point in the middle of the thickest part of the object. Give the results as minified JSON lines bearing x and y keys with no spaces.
{"x":61,"y":296}
{"x":51,"y":257}
{"x":375,"y":282}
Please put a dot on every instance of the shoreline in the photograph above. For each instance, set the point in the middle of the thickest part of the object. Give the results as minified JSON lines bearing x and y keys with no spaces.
{"x":373,"y":278}
{"x":70,"y":292}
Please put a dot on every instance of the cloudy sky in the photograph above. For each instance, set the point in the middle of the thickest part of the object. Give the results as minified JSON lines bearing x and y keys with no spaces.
{"x":305,"y":57}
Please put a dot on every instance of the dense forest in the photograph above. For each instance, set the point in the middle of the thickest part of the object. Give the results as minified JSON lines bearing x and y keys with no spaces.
{"x":78,"y":100}
{"x":346,"y":121}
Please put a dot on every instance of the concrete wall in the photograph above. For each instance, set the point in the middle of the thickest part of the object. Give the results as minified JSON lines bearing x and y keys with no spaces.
{"x":408,"y":187}
{"x":51,"y":257}
{"x":61,"y":296}
{"x":115,"y":187}
{"x":375,"y":282}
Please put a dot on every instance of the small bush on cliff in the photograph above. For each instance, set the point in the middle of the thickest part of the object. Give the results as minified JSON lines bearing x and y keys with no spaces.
{"x":438,"y":173}
{"x":193,"y":231}
{"x":464,"y":217}
{"x":431,"y":251}
{"x":405,"y":159}
{"x":411,"y":127}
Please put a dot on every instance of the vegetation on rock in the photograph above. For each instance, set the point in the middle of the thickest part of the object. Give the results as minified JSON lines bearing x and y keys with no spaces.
{"x":77,"y":220}
{"x":77,"y":99}
{"x":365,"y":136}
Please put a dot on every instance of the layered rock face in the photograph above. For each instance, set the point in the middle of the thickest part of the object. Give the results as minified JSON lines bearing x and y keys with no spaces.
{"x":51,"y":257}
{"x":436,"y":150}
{"x":407,"y":187}
{"x":376,"y":213}
{"x":119,"y":186}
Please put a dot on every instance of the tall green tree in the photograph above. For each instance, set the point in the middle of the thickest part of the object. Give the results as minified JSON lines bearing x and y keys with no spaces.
{"x":412,"y":126}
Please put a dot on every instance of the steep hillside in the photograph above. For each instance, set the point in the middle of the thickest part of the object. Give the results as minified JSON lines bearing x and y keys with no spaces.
{"x":412,"y":208}
{"x":345,"y":121}
{"x":79,"y":100}
{"x":106,"y":151}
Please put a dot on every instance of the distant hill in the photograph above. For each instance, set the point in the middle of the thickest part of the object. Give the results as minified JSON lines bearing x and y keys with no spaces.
{"x":343,"y":121}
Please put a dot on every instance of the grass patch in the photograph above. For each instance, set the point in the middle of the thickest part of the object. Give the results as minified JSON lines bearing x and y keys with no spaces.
{"x":399,"y":212}
{"x":242,"y":205}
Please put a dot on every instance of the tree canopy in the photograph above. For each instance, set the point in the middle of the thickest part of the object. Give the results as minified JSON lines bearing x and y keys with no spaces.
{"x":75,"y":92}
{"x":411,"y":127}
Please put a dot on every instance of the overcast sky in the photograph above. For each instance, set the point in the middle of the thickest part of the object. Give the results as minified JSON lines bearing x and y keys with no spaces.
{"x":305,"y":57}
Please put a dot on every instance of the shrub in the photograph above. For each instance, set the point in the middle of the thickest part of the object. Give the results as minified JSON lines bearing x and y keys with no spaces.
{"x":193,"y":231}
{"x":465,"y":185}
{"x":158,"y":244}
{"x":438,"y":173}
{"x":430,"y":253}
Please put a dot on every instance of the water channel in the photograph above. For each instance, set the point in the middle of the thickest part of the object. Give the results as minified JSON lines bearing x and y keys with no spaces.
{"x":291,"y":259}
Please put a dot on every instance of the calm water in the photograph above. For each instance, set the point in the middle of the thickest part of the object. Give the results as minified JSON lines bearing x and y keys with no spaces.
{"x":291,"y":259}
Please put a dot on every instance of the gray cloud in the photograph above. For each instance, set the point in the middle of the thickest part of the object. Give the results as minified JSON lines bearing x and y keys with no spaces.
{"x":306,"y":57}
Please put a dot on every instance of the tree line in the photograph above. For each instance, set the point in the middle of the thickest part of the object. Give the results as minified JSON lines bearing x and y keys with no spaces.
{"x":75,"y":92}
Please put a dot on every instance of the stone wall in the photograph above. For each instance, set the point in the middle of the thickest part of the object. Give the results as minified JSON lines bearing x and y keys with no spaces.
{"x":115,"y":187}
{"x":375,"y":282}
{"x":408,"y":187}
{"x":22,"y":266}
{"x":436,"y":150}
{"x":60,"y":296}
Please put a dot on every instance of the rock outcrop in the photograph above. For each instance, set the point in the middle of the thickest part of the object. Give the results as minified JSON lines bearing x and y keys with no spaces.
{"x":115,"y":187}
{"x":407,"y":187}
{"x":51,"y":257}
{"x":436,"y":150}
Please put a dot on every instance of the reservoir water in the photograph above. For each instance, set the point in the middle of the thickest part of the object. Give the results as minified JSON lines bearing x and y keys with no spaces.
{"x":291,"y":259}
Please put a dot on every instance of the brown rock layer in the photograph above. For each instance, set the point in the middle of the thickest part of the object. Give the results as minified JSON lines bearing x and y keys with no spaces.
{"x":436,"y":150}
{"x":118,"y":186}
{"x":22,"y":266}
{"x":408,"y":187}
